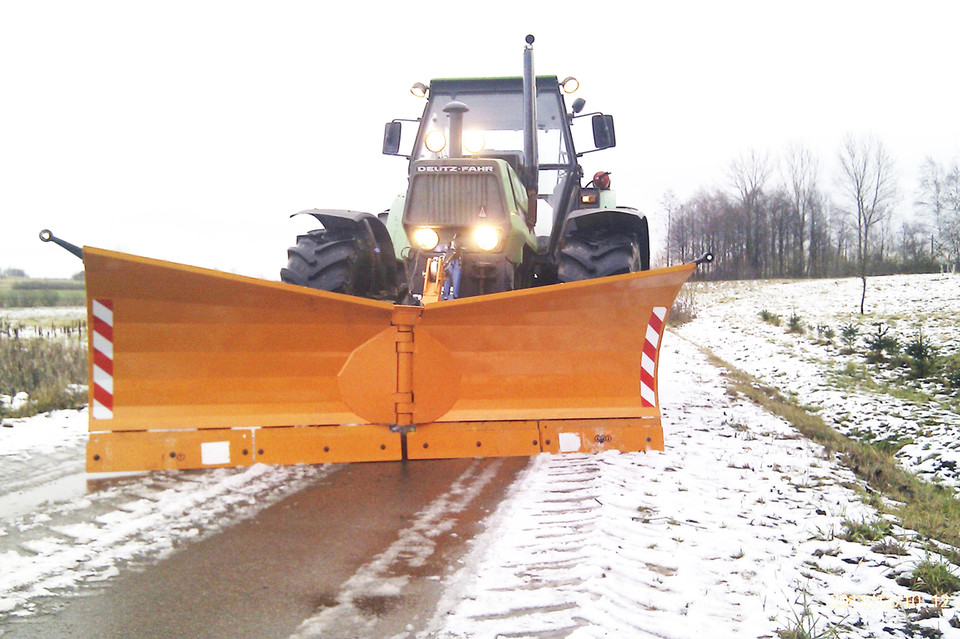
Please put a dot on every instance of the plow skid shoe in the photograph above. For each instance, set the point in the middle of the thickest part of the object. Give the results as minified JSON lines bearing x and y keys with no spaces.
{"x":193,"y":368}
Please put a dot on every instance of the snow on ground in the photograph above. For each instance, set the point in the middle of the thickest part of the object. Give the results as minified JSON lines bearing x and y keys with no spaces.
{"x":731,"y":531}
{"x":819,"y":375}
{"x":34,"y":322}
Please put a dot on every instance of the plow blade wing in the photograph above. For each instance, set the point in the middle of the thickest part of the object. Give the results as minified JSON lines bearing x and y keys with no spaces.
{"x":561,"y":368}
{"x":193,"y":368}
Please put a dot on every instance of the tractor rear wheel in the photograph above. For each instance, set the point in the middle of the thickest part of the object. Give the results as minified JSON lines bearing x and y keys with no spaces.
{"x":599,"y":253}
{"x":335,"y":261}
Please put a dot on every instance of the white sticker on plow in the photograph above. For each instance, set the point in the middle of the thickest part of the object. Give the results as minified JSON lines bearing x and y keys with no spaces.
{"x":569,"y":442}
{"x":214,"y":453}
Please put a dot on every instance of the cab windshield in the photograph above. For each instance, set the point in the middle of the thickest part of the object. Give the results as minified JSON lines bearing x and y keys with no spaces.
{"x":493,"y":127}
{"x":494,"y":124}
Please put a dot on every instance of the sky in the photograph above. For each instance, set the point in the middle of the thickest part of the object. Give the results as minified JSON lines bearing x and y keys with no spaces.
{"x":190,"y":131}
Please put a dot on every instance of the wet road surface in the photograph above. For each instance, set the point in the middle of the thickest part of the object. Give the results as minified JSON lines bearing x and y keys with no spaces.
{"x":359,"y":554}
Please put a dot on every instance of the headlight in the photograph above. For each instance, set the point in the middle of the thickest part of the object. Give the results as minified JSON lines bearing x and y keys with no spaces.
{"x":435,"y":141}
{"x":473,"y":141}
{"x":426,"y":238}
{"x":487,"y":238}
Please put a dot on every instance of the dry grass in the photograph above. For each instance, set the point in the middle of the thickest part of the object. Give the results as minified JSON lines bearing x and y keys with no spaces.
{"x":684,"y":307}
{"x":47,"y":369}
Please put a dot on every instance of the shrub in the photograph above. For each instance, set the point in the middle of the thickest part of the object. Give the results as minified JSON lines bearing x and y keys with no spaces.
{"x":825,"y":334}
{"x":862,"y":531}
{"x":891,"y":547}
{"x":922,"y":354}
{"x":770,"y":318}
{"x":882,"y":343}
{"x":795,"y":324}
{"x":950,"y":369}
{"x":848,"y":335}
{"x":934,"y":577}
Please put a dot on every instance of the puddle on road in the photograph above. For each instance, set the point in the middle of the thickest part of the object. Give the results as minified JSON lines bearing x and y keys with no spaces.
{"x":376,"y":605}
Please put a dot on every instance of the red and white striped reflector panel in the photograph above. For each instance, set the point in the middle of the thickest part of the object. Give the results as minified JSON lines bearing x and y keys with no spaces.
{"x":648,"y":361}
{"x":102,"y":359}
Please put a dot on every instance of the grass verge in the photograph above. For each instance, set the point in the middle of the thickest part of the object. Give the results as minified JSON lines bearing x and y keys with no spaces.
{"x":48,"y":370}
{"x":933,"y":511}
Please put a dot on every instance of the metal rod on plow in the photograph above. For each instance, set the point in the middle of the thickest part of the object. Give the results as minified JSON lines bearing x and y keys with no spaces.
{"x":47,"y":236}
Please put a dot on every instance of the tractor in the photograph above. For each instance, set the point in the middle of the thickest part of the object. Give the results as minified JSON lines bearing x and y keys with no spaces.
{"x":443,"y":327}
{"x":488,"y":158}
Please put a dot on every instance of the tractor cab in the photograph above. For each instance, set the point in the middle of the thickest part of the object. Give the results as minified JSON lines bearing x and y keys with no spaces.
{"x":493,"y":126}
{"x":484,"y":165}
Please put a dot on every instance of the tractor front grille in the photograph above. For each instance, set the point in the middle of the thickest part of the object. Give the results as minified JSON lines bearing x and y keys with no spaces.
{"x":454,"y":199}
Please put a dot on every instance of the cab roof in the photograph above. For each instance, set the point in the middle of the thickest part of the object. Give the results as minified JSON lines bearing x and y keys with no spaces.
{"x":455,"y":86}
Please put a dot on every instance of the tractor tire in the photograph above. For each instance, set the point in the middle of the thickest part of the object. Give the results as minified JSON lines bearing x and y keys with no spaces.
{"x":334,"y":261}
{"x":598,"y":254}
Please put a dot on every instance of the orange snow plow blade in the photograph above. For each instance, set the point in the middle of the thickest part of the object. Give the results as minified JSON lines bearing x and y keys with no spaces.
{"x":192,"y":368}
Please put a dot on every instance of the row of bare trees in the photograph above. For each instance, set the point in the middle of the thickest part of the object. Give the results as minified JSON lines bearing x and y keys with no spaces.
{"x":777,"y":219}
{"x":939,"y":202}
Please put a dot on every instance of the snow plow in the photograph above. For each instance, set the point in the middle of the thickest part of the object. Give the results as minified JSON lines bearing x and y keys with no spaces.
{"x":442,"y":328}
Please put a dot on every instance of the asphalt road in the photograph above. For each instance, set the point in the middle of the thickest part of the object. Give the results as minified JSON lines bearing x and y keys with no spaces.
{"x":360,"y":554}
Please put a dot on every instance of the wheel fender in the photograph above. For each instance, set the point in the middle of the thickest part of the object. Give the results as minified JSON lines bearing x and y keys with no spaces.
{"x":363,"y":225}
{"x":619,"y":220}
{"x":356,"y":221}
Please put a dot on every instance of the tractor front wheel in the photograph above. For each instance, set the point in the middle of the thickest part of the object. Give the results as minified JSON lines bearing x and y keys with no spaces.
{"x":335,"y":261}
{"x":599,"y":253}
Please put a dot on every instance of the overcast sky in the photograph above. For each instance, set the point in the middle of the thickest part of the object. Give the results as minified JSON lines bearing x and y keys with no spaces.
{"x":191,"y":130}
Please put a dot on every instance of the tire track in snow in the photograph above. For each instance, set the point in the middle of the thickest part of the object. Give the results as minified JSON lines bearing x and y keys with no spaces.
{"x":727,"y":533}
{"x":361,"y":599}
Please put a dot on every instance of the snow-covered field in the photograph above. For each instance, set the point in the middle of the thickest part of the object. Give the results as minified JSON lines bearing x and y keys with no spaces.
{"x":853,"y":397}
{"x":735,"y":530}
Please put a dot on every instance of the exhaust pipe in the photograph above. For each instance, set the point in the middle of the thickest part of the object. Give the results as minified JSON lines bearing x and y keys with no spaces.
{"x":530,"y":158}
{"x":455,"y":111}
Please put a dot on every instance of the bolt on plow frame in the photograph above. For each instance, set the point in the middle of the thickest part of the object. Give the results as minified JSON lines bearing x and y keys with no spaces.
{"x":192,"y":368}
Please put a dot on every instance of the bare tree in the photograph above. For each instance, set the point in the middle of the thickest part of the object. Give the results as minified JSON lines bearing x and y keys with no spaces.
{"x":940,"y":197}
{"x":932,"y":199}
{"x":818,"y":253}
{"x":801,"y":169}
{"x":749,"y":174}
{"x":868,"y":183}
{"x":952,"y":226}
{"x":670,"y":206}
{"x":841,"y":226}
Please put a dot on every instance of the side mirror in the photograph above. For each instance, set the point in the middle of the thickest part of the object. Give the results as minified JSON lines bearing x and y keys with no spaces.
{"x":391,"y":138}
{"x":604,"y":136}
